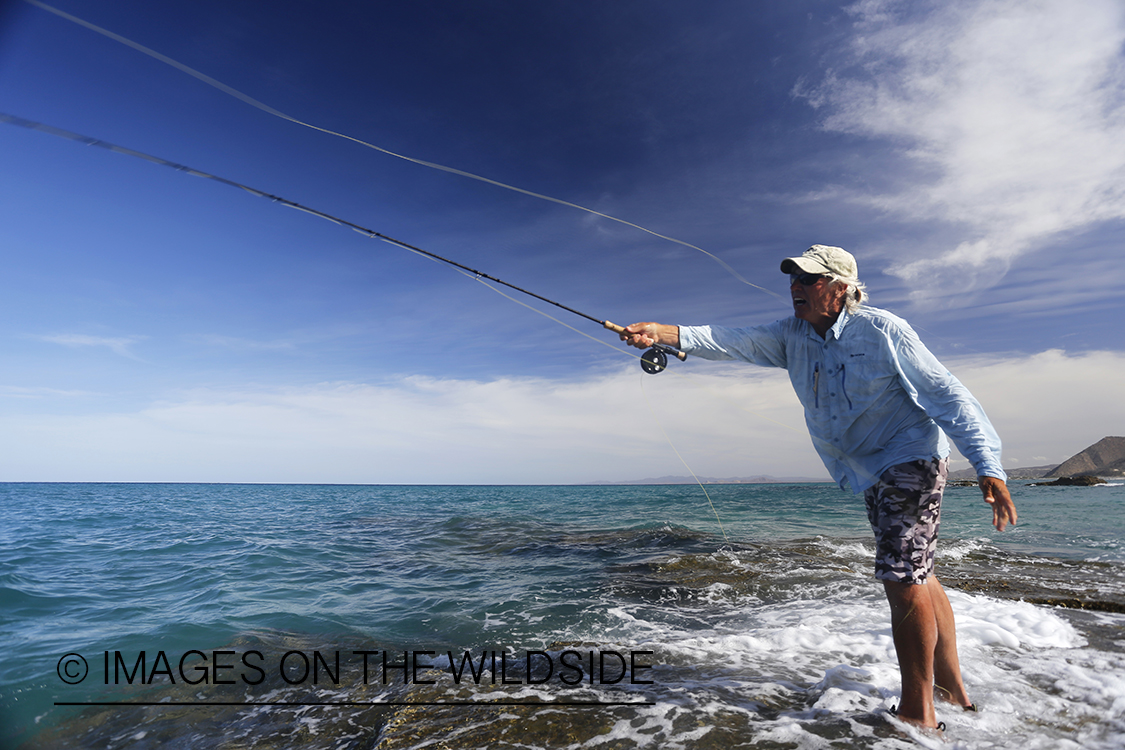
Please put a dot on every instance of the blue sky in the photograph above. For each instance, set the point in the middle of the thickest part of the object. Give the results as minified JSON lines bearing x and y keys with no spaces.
{"x":162,"y":327}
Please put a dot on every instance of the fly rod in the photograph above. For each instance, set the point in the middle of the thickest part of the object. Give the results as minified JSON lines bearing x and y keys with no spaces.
{"x":653,"y":361}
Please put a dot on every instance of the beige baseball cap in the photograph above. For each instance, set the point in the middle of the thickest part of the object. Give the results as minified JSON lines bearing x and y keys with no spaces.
{"x":823,"y":259}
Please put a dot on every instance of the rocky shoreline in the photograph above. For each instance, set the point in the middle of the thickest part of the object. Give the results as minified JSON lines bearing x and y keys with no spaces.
{"x":1078,"y":481}
{"x":1105,"y":458}
{"x":1082,"y":480}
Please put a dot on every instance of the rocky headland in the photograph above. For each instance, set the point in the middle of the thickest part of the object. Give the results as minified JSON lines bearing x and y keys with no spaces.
{"x":1105,"y":458}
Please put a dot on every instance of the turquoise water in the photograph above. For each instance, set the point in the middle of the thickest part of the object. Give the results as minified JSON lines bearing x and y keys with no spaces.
{"x":774,"y":632}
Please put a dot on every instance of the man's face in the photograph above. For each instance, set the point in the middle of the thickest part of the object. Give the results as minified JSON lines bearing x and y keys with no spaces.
{"x":818,"y":302}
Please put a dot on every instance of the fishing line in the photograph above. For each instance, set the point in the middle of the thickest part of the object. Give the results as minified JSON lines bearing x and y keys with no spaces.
{"x":685,"y":463}
{"x":648,"y":403}
{"x":466,"y":270}
{"x":472,"y":273}
{"x":655,"y":416}
{"x":653,"y":361}
{"x":432,"y":165}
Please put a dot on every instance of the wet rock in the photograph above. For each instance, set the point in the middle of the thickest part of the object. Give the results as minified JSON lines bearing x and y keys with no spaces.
{"x":1078,"y":481}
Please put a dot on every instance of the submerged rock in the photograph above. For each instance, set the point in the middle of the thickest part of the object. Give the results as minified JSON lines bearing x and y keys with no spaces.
{"x":1079,"y":481}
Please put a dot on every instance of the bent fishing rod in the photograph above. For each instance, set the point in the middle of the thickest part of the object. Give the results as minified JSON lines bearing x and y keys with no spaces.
{"x":653,"y":361}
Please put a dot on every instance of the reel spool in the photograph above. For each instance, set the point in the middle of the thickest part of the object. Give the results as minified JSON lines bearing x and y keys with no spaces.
{"x":654,"y":361}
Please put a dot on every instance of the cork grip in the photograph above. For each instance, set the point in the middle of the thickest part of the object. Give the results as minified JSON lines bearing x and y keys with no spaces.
{"x":621,"y":329}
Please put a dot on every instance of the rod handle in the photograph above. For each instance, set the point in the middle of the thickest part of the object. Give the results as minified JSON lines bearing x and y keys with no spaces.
{"x":621,"y":329}
{"x":613,"y":327}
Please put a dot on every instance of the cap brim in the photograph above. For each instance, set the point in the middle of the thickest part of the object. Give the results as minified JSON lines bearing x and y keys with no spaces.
{"x":791,"y":265}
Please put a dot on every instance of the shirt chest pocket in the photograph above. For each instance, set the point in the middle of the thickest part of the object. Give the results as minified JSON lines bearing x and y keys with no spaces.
{"x":857,"y":380}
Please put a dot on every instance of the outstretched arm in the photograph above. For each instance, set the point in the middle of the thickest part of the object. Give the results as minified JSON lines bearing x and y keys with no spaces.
{"x":996,"y":494}
{"x":644,"y":335}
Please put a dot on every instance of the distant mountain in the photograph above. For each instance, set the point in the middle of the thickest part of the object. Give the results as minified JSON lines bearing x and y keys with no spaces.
{"x":1022,"y":472}
{"x":763,"y":479}
{"x":1104,"y":458}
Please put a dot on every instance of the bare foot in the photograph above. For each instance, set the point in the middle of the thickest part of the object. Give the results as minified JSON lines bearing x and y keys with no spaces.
{"x":920,"y":725}
{"x":946,"y":696}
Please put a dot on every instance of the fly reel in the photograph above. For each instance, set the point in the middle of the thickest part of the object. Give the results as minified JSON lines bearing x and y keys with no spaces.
{"x":655,"y":360}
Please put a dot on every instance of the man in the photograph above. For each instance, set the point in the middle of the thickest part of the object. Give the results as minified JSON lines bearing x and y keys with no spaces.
{"x":876,"y":405}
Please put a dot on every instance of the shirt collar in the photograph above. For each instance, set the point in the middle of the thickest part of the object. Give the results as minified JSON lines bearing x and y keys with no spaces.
{"x":835,"y":331}
{"x":837,"y":328}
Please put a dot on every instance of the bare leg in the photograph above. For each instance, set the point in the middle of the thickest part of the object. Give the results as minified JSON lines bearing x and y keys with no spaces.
{"x":926,"y":642}
{"x":947,"y":667}
{"x":915,"y":630}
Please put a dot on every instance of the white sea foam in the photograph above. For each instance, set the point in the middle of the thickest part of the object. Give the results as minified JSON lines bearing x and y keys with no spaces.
{"x":960,"y":548}
{"x":983,"y":620}
{"x":1039,"y":685}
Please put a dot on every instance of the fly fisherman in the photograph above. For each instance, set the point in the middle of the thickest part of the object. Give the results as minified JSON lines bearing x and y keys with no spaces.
{"x":878,"y":406}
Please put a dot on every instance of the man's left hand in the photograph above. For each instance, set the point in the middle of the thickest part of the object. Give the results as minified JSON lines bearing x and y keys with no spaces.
{"x":996,"y":494}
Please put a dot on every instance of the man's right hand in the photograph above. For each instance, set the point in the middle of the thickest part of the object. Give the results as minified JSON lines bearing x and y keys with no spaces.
{"x":996,"y":494}
{"x":644,"y":335}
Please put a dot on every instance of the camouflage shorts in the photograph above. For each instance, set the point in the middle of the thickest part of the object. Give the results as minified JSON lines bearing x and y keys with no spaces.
{"x":904,"y":508}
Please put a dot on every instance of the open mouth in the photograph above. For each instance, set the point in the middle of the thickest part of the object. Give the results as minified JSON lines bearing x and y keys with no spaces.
{"x":799,"y":301}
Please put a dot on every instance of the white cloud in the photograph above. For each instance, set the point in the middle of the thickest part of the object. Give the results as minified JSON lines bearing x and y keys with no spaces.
{"x":724,"y":420}
{"x":39,"y":392}
{"x":424,"y":430}
{"x":1013,"y":111}
{"x":1048,"y":406}
{"x":236,"y":343}
{"x":118,"y":345}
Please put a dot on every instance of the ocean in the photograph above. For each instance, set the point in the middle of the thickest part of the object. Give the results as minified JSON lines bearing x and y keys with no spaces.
{"x":275,"y":616}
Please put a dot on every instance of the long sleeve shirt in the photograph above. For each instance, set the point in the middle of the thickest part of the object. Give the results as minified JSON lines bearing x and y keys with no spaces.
{"x":874,"y":395}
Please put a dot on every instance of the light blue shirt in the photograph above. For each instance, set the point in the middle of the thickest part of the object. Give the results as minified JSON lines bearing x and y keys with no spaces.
{"x":874,"y":395}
